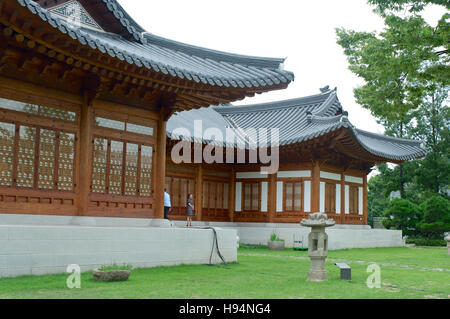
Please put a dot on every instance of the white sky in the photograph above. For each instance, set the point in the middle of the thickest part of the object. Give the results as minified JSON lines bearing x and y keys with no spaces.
{"x":301,"y":30}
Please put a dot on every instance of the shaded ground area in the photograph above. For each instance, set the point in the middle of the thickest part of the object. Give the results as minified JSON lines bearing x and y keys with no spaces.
{"x":260,"y":273}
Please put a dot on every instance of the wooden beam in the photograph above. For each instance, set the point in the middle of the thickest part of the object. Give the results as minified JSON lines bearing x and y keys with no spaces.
{"x":160,"y":173}
{"x":198,"y":192}
{"x":85,"y":156}
{"x":272,"y":198}
{"x":315,"y":188}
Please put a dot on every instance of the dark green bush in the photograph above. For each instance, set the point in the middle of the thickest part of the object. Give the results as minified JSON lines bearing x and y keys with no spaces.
{"x":436,"y":217}
{"x":426,"y":242}
{"x":403,"y":215}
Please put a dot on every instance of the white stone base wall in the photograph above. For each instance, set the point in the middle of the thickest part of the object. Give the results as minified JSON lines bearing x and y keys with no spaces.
{"x":339,"y":236}
{"x":36,"y":250}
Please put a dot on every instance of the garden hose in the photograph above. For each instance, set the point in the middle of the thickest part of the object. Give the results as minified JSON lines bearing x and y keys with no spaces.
{"x":215,"y":243}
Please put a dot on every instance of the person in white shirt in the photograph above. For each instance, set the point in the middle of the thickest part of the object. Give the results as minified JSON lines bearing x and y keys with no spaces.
{"x":167,"y":205}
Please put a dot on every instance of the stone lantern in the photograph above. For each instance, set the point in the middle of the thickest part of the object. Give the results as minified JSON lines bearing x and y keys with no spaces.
{"x":317,"y":245}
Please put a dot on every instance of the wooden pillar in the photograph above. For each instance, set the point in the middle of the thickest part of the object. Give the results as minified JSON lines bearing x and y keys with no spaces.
{"x":198,"y":192}
{"x":160,"y":173}
{"x":232,"y":194}
{"x":365,"y":210}
{"x":342,"y":198}
{"x":85,"y":156}
{"x":315,"y":188}
{"x":272,"y":198}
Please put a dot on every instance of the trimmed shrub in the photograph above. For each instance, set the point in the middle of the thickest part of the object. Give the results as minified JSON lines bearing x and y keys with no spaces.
{"x":403,"y":215}
{"x":427,"y":242}
{"x":436,"y":217}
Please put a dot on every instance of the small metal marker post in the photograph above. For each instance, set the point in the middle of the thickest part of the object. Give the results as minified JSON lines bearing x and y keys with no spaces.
{"x":317,"y":245}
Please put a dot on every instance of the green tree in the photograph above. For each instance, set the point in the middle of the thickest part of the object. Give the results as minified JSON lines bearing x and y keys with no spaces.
{"x":436,"y":217}
{"x":403,"y":215}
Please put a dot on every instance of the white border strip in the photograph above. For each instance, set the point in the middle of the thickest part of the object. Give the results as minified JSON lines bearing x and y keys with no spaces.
{"x":293,"y":174}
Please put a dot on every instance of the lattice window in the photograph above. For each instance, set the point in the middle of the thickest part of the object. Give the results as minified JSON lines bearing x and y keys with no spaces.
{"x":57,"y":113}
{"x":146,"y":170}
{"x":225,"y":195}
{"x":131,"y":169}
{"x":41,"y":110}
{"x":116,"y":167}
{"x":66,"y":161}
{"x":353,"y":199}
{"x":26,"y":157}
{"x":108,"y":123}
{"x":293,"y":197}
{"x":19,"y":106}
{"x":139,"y":129}
{"x":251,"y":197}
{"x":99,"y":165}
{"x":7,"y":135}
{"x":47,"y":145}
{"x":330,"y":198}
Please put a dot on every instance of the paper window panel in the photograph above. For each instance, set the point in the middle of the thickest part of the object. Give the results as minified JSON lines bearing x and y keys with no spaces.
{"x":353,"y":200}
{"x":66,"y":161}
{"x":26,"y":157}
{"x":116,"y":167}
{"x":225,"y":195}
{"x":212,"y":195}
{"x":131,"y":169}
{"x":175,"y":192}
{"x":99,"y":165}
{"x":219,"y":202}
{"x":116,"y":125}
{"x":288,"y":197}
{"x":19,"y":106}
{"x":146,"y":171}
{"x":139,"y":129}
{"x":247,"y":197}
{"x":205,"y":195}
{"x":255,"y":197}
{"x":7,"y":134}
{"x":297,"y":197}
{"x":47,"y":146}
{"x":57,"y":113}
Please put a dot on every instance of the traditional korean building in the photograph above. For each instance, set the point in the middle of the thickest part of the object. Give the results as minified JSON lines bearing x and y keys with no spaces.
{"x":89,"y":107}
{"x":85,"y":95}
{"x":324,"y":161}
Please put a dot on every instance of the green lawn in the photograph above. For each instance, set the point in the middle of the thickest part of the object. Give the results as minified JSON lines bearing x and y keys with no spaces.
{"x":260,"y":273}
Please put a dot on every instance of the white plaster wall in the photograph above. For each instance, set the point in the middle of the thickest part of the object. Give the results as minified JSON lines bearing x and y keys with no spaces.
{"x":353,"y":179}
{"x":36,"y":250}
{"x":279,"y":196}
{"x":338,"y":198}
{"x":333,"y":176}
{"x":347,"y":200}
{"x":264,"y":196}
{"x":250,"y":175}
{"x":238,"y":199}
{"x":293,"y":174}
{"x":360,"y":201}
{"x":339,"y":238}
{"x":307,"y":199}
{"x":322,"y":197}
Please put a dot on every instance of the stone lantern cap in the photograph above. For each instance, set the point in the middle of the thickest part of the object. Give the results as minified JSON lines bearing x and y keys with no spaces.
{"x":447,"y":238}
{"x":318,"y":220}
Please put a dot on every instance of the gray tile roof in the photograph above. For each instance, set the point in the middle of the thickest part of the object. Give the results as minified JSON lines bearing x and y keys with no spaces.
{"x":169,"y":57}
{"x":298,"y":120}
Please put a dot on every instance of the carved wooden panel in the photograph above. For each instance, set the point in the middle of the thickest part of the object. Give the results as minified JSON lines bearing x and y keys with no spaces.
{"x":26,"y":157}
{"x":7,"y":136}
{"x":47,"y":143}
{"x":66,"y":161}
{"x":99,"y":165}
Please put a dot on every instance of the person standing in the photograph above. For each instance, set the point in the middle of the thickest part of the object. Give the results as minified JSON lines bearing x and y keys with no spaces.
{"x":190,"y":210}
{"x":167,"y":204}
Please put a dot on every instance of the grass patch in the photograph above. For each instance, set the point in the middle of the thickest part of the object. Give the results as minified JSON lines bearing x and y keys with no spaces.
{"x":260,"y":273}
